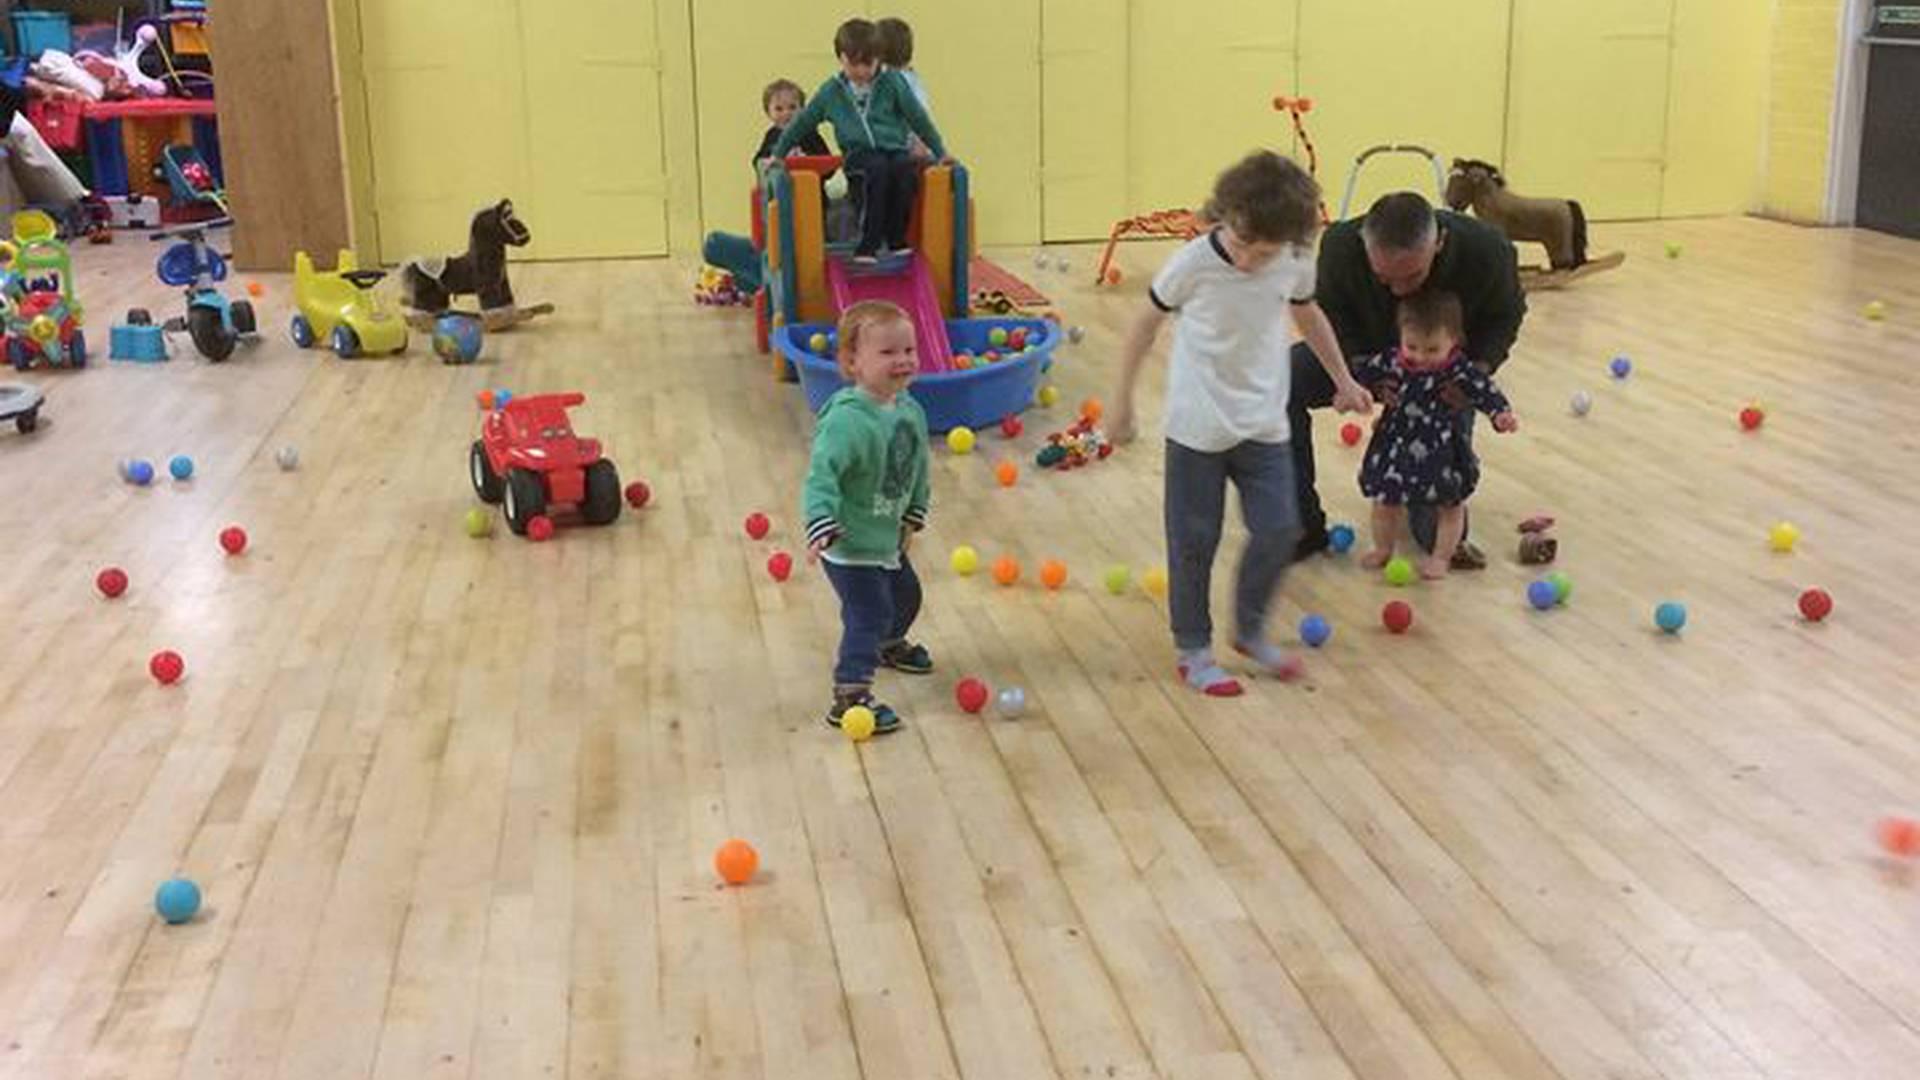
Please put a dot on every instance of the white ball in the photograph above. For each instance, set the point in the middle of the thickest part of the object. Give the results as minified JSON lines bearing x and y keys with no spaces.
{"x":1012,"y":702}
{"x":288,"y":458}
{"x":1075,"y":333}
{"x":1064,"y":265}
{"x":1582,"y":403}
{"x":1039,"y":260}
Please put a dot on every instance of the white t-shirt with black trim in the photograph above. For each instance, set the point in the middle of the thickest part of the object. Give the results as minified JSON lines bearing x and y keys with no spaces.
{"x":1233,"y":337}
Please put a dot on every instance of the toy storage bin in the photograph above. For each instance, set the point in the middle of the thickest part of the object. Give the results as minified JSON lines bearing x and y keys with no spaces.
{"x":37,"y":31}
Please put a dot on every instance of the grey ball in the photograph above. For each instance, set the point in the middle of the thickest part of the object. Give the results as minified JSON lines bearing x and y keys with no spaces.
{"x":1075,"y":333}
{"x":1582,"y":403}
{"x":1012,"y":702}
{"x":287,"y":458}
{"x":1064,"y":265}
{"x":1040,"y":260}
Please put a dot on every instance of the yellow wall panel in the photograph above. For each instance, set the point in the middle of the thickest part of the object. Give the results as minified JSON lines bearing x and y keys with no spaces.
{"x":1084,"y":80}
{"x":1716,"y":107}
{"x":1371,"y":68}
{"x":1802,"y":76}
{"x":1587,"y":103}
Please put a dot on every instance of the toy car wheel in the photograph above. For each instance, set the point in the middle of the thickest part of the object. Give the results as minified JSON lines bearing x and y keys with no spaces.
{"x":77,"y":348}
{"x":242,"y":315}
{"x":602,"y":503}
{"x":346,"y":343}
{"x":17,"y":354}
{"x":28,"y":420}
{"x":209,"y":335}
{"x":486,"y":483}
{"x":139,"y":317}
{"x":302,"y":332}
{"x":526,"y":499}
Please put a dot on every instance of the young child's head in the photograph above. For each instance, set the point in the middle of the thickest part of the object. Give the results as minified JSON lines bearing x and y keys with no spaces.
{"x":857,"y":44}
{"x":783,"y":99}
{"x":1431,"y":326}
{"x":1266,"y":204}
{"x":895,"y":42}
{"x":877,"y":350}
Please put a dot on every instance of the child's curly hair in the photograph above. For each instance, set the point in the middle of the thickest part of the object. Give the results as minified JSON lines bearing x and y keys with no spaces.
{"x":857,"y":320}
{"x":1266,"y":198}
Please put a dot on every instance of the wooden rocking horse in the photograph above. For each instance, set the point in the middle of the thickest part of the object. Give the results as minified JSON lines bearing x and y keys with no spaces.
{"x":428,"y":286}
{"x":1558,"y":224}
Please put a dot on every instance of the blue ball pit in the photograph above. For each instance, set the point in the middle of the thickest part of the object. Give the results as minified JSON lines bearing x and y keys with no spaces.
{"x":975,"y":398}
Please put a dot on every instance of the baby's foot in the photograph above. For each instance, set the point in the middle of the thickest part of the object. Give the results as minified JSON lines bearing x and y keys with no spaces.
{"x":1272,"y":660}
{"x":1434,"y":569}
{"x":1198,"y":670}
{"x":1377,"y":558}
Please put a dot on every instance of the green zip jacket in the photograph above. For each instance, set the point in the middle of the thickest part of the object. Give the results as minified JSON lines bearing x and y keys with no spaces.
{"x":866,"y":478}
{"x":892,"y":110}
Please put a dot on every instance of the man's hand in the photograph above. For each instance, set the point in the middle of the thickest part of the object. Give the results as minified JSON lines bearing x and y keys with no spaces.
{"x":1455,"y":398}
{"x":1506,"y":423}
{"x":1352,"y":398}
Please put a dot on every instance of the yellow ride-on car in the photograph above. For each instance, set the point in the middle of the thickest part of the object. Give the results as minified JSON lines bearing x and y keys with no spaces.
{"x":341,"y":309}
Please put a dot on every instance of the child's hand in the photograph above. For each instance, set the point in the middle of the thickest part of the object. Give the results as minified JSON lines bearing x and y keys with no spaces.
{"x":1352,"y":398}
{"x":814,"y":549}
{"x":1506,"y":423}
{"x":906,"y":538}
{"x":1120,"y":426}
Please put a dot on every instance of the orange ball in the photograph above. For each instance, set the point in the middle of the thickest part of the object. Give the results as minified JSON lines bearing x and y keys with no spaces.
{"x":1006,"y":570}
{"x":1114,"y":275}
{"x":255,"y":289}
{"x":1053,"y":573}
{"x":1090,"y":410}
{"x":1006,"y":472}
{"x":735,"y":862}
{"x":1900,"y":836}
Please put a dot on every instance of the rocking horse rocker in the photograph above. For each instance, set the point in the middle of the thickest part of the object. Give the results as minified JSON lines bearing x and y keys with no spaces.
{"x":1558,"y":224}
{"x":428,"y":286}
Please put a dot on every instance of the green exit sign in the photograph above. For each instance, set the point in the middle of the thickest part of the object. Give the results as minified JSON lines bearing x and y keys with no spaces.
{"x":1897,"y":15}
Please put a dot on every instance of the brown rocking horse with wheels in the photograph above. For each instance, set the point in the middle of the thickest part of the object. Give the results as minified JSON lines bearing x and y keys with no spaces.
{"x":1558,"y":224}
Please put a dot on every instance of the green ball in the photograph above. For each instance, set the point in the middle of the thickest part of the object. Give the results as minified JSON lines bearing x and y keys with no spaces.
{"x":1673,"y":250}
{"x":479,"y":523}
{"x":1562,"y":586}
{"x":1399,"y":572}
{"x":1117,"y":579}
{"x":997,"y":337}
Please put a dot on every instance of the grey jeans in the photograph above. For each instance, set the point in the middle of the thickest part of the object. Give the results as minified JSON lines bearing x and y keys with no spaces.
{"x":1196,"y":504}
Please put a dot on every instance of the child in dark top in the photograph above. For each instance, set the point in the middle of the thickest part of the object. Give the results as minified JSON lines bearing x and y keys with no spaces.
{"x":783,"y":99}
{"x":1418,"y":455}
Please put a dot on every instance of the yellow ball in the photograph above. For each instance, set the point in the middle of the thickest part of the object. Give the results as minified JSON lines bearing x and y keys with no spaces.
{"x":857,"y":723}
{"x":1783,"y":536}
{"x":965,"y":560}
{"x":1048,"y":395}
{"x":960,"y":440}
{"x":43,"y":328}
{"x":479,"y":523}
{"x":1876,"y":310}
{"x":1155,"y":582}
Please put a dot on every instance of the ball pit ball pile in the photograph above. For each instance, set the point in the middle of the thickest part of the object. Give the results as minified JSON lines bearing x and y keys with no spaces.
{"x":111,"y":582}
{"x":857,"y":723}
{"x":1815,"y":605}
{"x":964,"y":560}
{"x":1315,"y":630}
{"x":1397,"y":617}
{"x":970,"y":694}
{"x":177,"y":900}
{"x":735,"y":862}
{"x":757,"y":525}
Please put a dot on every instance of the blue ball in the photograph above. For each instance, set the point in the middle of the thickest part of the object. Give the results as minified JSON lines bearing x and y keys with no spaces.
{"x":456,"y":339}
{"x":1340,"y":539}
{"x":1621,"y":366}
{"x":1315,"y":630}
{"x":1670,"y":616}
{"x":181,"y":467}
{"x":1542,"y":594}
{"x":177,"y":900}
{"x":501,"y":397}
{"x":140,"y":472}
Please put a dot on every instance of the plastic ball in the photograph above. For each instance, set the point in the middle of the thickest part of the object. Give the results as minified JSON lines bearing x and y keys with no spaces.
{"x":1011,"y":426}
{"x":963,"y":362}
{"x":1673,"y":250}
{"x":1091,"y":410}
{"x":1076,"y":334}
{"x":1397,"y":617}
{"x":166,"y":667}
{"x":735,"y":862}
{"x":1039,"y":260}
{"x":1053,"y":573}
{"x":1007,"y":473}
{"x":485,"y":400}
{"x":970,"y":694}
{"x":111,"y":582}
{"x":1350,"y":433}
{"x":287,"y":457}
{"x":757,"y":525}
{"x":1670,"y":616}
{"x":1154,"y":581}
{"x":1047,"y":396}
{"x":1399,"y":571}
{"x":139,"y":472}
{"x":1011,"y":702}
{"x":256,"y":290}
{"x":637,"y":494}
{"x":1017,"y":339}
{"x":818,"y":344}
{"x":1116,"y":579}
{"x":1876,"y":310}
{"x":960,"y":440}
{"x":1006,"y":570}
{"x":181,"y":467}
{"x":1621,"y":367}
{"x":177,"y":900}
{"x":1752,"y":417}
{"x":456,"y":339}
{"x":1582,"y":403}
{"x":1315,"y":630}
{"x":964,"y":560}
{"x":991,"y":356}
{"x":1114,"y":276}
{"x":857,"y":723}
{"x":1783,"y":536}
{"x":233,"y":539}
{"x":1562,"y":586}
{"x":779,"y":566}
{"x":1340,"y":539}
{"x":1816,"y":604}
{"x":1899,"y":836}
{"x":1542,"y":595}
{"x":479,"y":523}
{"x":997,"y":337}
{"x":501,"y":398}
{"x":540,"y":528}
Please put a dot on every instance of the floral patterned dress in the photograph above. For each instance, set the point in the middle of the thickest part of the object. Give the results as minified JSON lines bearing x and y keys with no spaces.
{"x":1421,"y":450}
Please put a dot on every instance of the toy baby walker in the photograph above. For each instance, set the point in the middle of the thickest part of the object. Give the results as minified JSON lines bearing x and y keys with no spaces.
{"x":42,"y":319}
{"x":215,"y":323}
{"x":528,"y":458}
{"x":428,"y":286}
{"x":341,"y":308}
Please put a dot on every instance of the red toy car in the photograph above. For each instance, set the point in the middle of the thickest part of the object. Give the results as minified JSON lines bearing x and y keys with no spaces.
{"x":528,"y":456}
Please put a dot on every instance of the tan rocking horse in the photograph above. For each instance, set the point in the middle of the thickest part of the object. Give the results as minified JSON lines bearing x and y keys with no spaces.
{"x":1558,"y":224}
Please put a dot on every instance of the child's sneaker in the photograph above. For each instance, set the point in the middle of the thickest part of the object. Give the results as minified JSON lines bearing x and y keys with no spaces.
{"x":885,"y":720}
{"x":905,"y":656}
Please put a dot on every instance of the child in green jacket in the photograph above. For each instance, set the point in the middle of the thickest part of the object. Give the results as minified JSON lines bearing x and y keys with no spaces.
{"x":865,"y":495}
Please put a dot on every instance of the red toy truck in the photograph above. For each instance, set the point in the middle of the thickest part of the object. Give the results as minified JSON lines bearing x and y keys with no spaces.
{"x":528,"y":456}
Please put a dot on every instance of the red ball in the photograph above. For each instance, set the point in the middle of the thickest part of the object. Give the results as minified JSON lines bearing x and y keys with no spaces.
{"x":757,"y":525}
{"x":1900,"y":836}
{"x":1397,"y":616}
{"x":234,"y":539}
{"x":1017,"y":340}
{"x":638,"y":494}
{"x":1751,"y":417}
{"x":1011,"y":427}
{"x":1350,"y":433}
{"x":1816,"y":604}
{"x":970,"y":694}
{"x":167,"y":667}
{"x":539,"y":528}
{"x":111,"y":582}
{"x":780,"y":565}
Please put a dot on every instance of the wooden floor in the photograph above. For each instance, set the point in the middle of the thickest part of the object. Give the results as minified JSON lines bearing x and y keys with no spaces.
{"x":454,"y":801}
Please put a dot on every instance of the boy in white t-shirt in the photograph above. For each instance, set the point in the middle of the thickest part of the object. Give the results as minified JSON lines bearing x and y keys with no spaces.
{"x":1227,"y":385}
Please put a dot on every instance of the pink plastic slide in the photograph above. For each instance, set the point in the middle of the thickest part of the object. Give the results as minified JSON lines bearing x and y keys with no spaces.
{"x":912,"y":289}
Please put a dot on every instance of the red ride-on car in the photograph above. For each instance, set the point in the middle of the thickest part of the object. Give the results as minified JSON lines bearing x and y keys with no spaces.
{"x":528,"y":456}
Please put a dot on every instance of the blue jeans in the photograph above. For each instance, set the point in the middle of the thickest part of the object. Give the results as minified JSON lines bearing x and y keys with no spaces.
{"x":1196,"y":505}
{"x":877,"y":607}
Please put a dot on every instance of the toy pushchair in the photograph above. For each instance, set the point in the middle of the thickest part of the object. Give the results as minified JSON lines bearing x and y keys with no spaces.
{"x":191,"y":179}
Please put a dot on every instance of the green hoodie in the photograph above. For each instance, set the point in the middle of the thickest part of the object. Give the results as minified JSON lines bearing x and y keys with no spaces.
{"x":867,"y":477}
{"x":892,"y":109}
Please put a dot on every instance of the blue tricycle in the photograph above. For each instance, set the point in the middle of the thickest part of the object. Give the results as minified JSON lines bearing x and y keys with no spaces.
{"x":215,"y":323}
